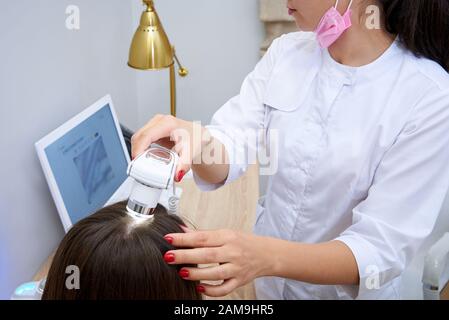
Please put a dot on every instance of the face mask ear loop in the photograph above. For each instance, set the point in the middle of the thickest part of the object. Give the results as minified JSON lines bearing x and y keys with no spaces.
{"x":336,"y":4}
{"x":347,"y":15}
{"x":350,"y":5}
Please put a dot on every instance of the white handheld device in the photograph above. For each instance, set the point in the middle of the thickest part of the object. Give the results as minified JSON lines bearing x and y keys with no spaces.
{"x":153,"y":171}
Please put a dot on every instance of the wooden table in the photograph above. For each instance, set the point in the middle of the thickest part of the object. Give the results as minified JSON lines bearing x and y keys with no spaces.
{"x":231,"y":207}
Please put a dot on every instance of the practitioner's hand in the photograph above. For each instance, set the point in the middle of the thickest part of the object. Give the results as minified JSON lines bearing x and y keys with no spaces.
{"x":240,"y":258}
{"x":184,"y":137}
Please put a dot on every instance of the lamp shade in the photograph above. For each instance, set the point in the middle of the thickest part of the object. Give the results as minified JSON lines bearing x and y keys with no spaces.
{"x":150,"y":47}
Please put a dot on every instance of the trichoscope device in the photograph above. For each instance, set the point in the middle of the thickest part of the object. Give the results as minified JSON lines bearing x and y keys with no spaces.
{"x":153,"y":171}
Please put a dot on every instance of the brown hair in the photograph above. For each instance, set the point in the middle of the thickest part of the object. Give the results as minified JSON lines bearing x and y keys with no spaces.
{"x":119,"y":259}
{"x":422,"y":27}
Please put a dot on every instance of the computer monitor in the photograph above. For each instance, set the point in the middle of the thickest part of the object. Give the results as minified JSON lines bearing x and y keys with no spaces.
{"x":85,"y":162}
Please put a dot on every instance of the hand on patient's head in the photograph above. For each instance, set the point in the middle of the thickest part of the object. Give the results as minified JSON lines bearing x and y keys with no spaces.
{"x":119,"y":257}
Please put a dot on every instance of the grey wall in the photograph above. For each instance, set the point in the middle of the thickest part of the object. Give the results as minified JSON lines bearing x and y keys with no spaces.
{"x":218,"y":41}
{"x":47,"y":75}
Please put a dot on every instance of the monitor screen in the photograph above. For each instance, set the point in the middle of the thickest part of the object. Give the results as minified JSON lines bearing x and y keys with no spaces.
{"x":88,"y":164}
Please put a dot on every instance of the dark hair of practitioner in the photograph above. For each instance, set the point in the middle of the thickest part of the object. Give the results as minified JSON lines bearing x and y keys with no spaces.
{"x":422,"y":27}
{"x":119,"y":259}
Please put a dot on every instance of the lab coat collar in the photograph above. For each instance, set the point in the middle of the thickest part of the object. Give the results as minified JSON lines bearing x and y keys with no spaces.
{"x":299,"y":66}
{"x":371,"y":71}
{"x":291,"y":78}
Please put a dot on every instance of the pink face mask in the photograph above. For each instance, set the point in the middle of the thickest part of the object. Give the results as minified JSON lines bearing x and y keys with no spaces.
{"x":332,"y":26}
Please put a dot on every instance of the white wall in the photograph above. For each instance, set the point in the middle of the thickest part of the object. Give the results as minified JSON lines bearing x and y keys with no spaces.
{"x":47,"y":75}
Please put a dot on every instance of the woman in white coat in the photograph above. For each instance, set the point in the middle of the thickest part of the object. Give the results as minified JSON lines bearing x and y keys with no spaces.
{"x":357,"y":118}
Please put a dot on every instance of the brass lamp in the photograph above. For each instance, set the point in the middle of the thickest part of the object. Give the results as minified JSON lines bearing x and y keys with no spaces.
{"x":151,"y":50}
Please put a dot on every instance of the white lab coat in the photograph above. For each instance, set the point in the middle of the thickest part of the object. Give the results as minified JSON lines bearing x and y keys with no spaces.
{"x":363,"y":157}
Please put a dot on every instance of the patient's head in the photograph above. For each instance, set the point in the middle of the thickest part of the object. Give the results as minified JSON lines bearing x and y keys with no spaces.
{"x":119,"y":258}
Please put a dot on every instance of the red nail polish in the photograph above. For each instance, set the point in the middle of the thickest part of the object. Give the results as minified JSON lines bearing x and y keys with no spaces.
{"x":184,"y":273}
{"x":181,"y":175}
{"x":169,"y":257}
{"x":200,"y":289}
{"x":169,"y":239}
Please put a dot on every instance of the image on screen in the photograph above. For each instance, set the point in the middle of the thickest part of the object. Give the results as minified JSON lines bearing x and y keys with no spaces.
{"x":94,"y":168}
{"x":89,"y":164}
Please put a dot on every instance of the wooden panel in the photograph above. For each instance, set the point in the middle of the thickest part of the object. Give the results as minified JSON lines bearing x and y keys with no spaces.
{"x":445,"y":293}
{"x":231,"y":207}
{"x":274,"y":14}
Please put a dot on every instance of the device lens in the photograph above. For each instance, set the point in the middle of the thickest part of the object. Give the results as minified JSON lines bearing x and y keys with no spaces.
{"x":159,"y":154}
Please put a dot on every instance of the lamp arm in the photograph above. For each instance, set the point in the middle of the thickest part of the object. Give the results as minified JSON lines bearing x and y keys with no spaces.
{"x":183,"y":72}
{"x":173,"y":101}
